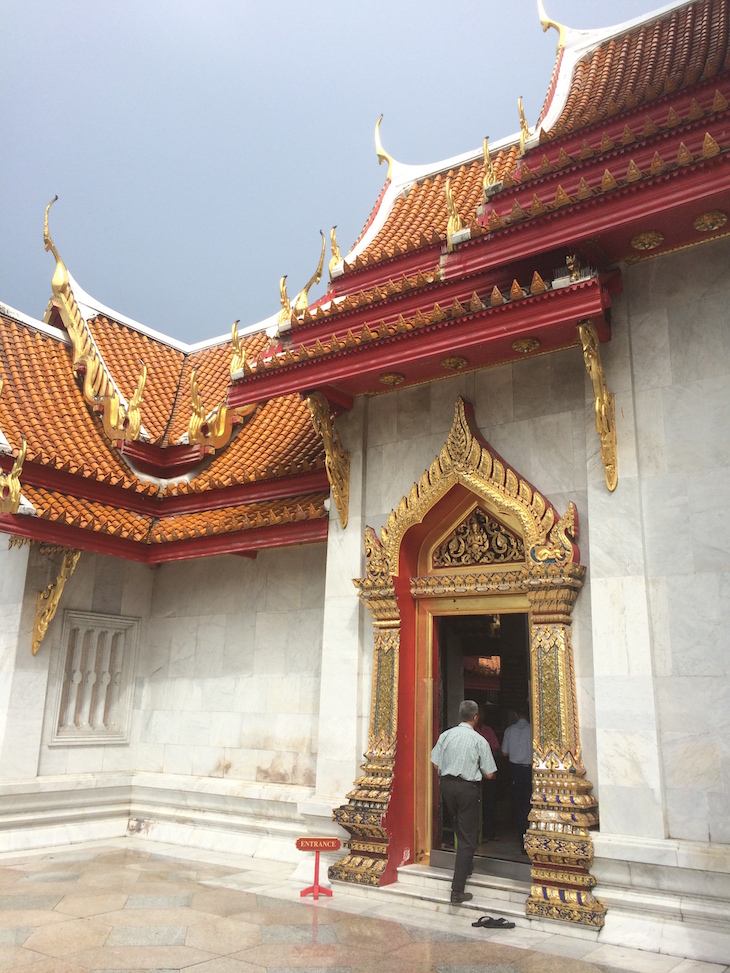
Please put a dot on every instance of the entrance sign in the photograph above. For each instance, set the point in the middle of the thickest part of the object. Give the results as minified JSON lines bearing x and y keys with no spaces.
{"x":317,"y":845}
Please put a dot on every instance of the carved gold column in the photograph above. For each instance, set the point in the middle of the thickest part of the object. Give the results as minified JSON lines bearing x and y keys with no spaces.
{"x":368,"y":803}
{"x":558,"y":840}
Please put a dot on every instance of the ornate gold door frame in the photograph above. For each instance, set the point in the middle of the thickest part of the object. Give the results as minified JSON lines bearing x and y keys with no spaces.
{"x":558,"y":841}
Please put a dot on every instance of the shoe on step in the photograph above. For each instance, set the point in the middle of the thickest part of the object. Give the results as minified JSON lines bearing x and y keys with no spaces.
{"x":458,"y":897}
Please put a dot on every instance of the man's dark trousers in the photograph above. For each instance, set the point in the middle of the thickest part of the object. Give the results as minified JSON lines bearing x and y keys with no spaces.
{"x":461,"y":797}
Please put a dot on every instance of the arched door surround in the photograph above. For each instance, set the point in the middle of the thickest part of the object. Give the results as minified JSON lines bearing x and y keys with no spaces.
{"x":542,"y":572}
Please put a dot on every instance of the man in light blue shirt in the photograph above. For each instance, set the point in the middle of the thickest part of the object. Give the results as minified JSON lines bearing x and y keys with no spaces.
{"x":462,"y":757}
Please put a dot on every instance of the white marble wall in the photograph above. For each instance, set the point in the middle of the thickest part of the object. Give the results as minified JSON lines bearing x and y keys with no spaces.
{"x":227,"y":681}
{"x":679,"y":315}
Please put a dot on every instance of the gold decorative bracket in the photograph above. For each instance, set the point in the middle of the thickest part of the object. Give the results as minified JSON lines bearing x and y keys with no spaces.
{"x":10,"y":482}
{"x":603,"y":402}
{"x":121,"y":422}
{"x":337,"y":459}
{"x":48,"y":599}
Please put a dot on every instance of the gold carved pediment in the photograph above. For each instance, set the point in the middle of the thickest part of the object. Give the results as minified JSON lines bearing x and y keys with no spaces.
{"x":479,"y":539}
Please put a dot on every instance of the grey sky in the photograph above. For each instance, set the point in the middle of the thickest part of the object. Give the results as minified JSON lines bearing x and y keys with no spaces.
{"x":198,"y":146}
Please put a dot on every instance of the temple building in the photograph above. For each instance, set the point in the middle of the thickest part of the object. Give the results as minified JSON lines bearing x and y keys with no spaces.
{"x":507,"y":422}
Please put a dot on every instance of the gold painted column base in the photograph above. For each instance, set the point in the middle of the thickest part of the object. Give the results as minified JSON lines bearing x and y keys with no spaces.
{"x":559,"y":845}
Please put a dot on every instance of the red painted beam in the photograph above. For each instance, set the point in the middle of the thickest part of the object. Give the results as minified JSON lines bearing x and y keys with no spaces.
{"x":245,"y":542}
{"x":533,"y":316}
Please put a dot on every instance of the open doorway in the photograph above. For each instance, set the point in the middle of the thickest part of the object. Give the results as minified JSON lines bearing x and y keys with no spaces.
{"x":486,"y":658}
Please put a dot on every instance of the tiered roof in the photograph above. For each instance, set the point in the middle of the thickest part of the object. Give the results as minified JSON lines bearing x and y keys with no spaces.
{"x":629,"y":159}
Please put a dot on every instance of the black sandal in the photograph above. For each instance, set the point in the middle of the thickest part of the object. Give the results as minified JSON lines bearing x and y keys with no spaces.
{"x":489,"y":923}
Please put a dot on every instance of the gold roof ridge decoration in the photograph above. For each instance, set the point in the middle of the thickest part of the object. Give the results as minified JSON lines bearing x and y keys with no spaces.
{"x":208,"y":429}
{"x":301,"y":302}
{"x":286,"y":309}
{"x":336,"y":255}
{"x":121,"y":421}
{"x":383,"y":156}
{"x":455,"y":223}
{"x":524,"y":127}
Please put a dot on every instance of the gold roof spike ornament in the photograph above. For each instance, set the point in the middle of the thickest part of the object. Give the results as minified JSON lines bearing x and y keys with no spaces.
{"x":239,"y":354}
{"x":301,"y":302}
{"x":547,"y":23}
{"x":10,"y":482}
{"x":212,"y":429}
{"x":602,"y":400}
{"x":286,"y":311}
{"x":490,"y":177}
{"x":121,"y":421}
{"x":383,"y":156}
{"x":336,"y":257}
{"x":455,"y":222}
{"x":524,"y":127}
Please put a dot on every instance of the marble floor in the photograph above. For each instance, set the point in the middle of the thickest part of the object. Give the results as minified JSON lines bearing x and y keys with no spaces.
{"x":126,"y":905}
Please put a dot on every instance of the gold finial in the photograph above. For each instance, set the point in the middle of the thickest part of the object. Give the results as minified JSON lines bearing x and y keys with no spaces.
{"x":524,"y":127}
{"x":383,"y":156}
{"x":336,"y":255}
{"x":302,"y":299}
{"x":285,"y":312}
{"x":10,"y":484}
{"x":239,"y":354}
{"x":60,"y":275}
{"x":489,"y":176}
{"x":455,"y":222}
{"x":547,"y":23}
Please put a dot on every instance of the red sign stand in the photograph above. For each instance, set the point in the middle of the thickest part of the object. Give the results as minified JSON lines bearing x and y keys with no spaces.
{"x":316,"y":845}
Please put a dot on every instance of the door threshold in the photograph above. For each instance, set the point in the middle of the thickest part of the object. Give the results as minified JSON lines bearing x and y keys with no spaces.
{"x":499,"y":867}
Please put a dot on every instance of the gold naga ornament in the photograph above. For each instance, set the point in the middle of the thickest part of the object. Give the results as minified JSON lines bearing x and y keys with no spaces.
{"x":48,"y":599}
{"x":286,"y":310}
{"x":238,"y":359}
{"x":213,"y":429}
{"x":524,"y":127}
{"x":337,"y":459}
{"x":336,"y":258}
{"x":490,"y":177}
{"x":121,"y":421}
{"x":301,"y":301}
{"x":603,"y":402}
{"x":455,"y":222}
{"x":10,"y":483}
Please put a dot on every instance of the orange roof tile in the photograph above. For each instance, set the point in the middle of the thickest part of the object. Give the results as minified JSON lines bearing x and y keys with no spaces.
{"x":655,"y":58}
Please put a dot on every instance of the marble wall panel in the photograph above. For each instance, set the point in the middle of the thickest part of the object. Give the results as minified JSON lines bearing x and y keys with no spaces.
{"x":650,"y":432}
{"x":666,"y":507}
{"x":443,"y":396}
{"x":709,"y":501}
{"x":698,"y":613}
{"x":493,"y":395}
{"x":650,"y":350}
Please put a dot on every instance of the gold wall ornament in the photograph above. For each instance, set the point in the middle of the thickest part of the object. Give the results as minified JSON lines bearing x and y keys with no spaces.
{"x":286,"y":310}
{"x":209,"y":428}
{"x":301,"y":302}
{"x":573,"y":264}
{"x":455,"y":222}
{"x":524,"y":127}
{"x":454,"y":363}
{"x":48,"y":599}
{"x":480,"y":539}
{"x":99,"y":388}
{"x":383,"y":156}
{"x":392,"y":379}
{"x":337,"y":459}
{"x":558,"y":840}
{"x":603,"y":402}
{"x":712,"y":220}
{"x":336,"y":257}
{"x":489,"y":175}
{"x":649,"y":240}
{"x":239,"y":353}
{"x":10,"y":483}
